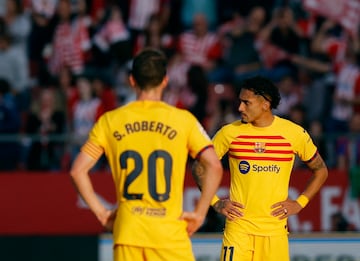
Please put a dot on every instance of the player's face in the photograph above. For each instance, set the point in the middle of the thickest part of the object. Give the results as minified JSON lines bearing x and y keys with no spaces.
{"x":251,"y":106}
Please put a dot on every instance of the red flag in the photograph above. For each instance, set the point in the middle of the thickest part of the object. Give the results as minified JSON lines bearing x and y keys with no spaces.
{"x":345,"y":12}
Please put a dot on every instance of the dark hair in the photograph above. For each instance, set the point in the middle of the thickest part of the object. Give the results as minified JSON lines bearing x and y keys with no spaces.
{"x":149,"y":68}
{"x":264,"y":87}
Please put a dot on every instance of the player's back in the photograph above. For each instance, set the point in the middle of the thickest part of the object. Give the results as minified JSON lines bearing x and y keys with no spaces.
{"x":147,"y":145}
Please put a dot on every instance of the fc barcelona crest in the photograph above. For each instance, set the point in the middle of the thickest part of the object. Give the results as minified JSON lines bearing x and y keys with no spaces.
{"x":259,"y":147}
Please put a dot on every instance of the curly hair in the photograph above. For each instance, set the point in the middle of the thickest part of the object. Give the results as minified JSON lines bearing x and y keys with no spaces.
{"x":263,"y":87}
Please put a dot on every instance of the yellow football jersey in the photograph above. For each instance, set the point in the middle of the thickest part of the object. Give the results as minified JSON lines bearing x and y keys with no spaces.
{"x":147,"y":145}
{"x":261,"y":161}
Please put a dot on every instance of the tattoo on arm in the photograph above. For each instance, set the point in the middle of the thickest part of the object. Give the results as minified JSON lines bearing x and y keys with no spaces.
{"x":317,"y":163}
{"x":197,"y":171}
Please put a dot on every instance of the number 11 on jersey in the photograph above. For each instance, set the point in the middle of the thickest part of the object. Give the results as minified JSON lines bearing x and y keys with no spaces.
{"x":228,"y":253}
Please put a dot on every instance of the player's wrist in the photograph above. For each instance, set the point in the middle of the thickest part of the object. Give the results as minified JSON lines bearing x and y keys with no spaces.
{"x":214,"y":200}
{"x":302,"y":200}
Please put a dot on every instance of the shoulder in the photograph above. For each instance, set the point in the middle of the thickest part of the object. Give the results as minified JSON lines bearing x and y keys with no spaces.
{"x":230,"y":129}
{"x":292,"y":131}
{"x":233,"y":125}
{"x":286,"y":124}
{"x":181,"y":114}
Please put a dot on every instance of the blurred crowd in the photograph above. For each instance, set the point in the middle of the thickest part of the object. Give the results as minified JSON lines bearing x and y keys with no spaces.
{"x":63,"y":63}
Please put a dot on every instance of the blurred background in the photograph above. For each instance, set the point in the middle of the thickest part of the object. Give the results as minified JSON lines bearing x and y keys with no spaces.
{"x":63,"y":63}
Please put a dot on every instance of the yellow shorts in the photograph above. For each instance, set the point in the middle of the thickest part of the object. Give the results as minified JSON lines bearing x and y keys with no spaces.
{"x":238,"y":246}
{"x":125,"y":252}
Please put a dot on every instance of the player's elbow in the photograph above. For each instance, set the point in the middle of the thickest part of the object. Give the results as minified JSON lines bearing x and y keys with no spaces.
{"x":217,"y":166}
{"x":74,"y":175}
{"x":217,"y":170}
{"x":324,"y":173}
{"x":75,"y":172}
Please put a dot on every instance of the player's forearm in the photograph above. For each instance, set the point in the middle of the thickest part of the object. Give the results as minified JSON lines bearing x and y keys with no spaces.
{"x":315,"y":183}
{"x":83,"y":185}
{"x":81,"y":179}
{"x":320,"y":174}
{"x":210,"y":182}
{"x":198,"y":175}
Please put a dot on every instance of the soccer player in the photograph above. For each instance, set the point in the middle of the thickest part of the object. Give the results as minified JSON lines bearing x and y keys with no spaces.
{"x":261,"y":148}
{"x":147,"y":143}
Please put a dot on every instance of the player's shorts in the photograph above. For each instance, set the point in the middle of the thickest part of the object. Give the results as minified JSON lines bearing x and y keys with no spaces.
{"x":126,"y":252}
{"x":245,"y":247}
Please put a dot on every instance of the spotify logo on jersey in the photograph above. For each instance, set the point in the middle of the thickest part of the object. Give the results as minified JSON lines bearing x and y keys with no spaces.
{"x":244,"y":167}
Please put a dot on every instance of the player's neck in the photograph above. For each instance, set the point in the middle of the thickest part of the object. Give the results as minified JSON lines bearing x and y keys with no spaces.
{"x":264,"y":121}
{"x":154,"y":94}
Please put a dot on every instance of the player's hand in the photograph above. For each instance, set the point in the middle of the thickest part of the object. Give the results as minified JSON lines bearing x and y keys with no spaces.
{"x":194,"y":221}
{"x":108,"y":219}
{"x":285,"y":208}
{"x":230,"y":209}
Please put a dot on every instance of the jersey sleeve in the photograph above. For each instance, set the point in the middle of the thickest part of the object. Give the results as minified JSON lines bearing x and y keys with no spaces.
{"x":304,"y":147}
{"x":97,"y":135}
{"x":221,"y":142}
{"x":95,"y":144}
{"x":198,"y":138}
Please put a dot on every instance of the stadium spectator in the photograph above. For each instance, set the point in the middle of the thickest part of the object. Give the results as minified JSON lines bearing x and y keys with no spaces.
{"x":44,"y":8}
{"x":140,"y":12}
{"x":189,"y":9}
{"x":315,"y":93}
{"x":18,"y":24}
{"x":342,"y":51}
{"x":14,"y":69}
{"x":82,"y":14}
{"x":194,"y":96}
{"x":277,"y":41}
{"x":68,"y":96}
{"x":197,"y":46}
{"x":284,"y":32}
{"x":13,"y":64}
{"x":42,"y":28}
{"x":67,"y":93}
{"x":112,"y":41}
{"x":240,"y":58}
{"x":70,"y":42}
{"x":348,"y":145}
{"x":155,"y":36}
{"x":290,"y":96}
{"x":9,"y":125}
{"x":45,"y":125}
{"x":103,"y":89}
{"x":87,"y":109}
{"x":235,"y":22}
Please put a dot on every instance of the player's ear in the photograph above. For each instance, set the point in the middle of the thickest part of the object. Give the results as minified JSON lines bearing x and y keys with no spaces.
{"x":165,"y":81}
{"x":266,"y":105}
{"x":132,"y":81}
